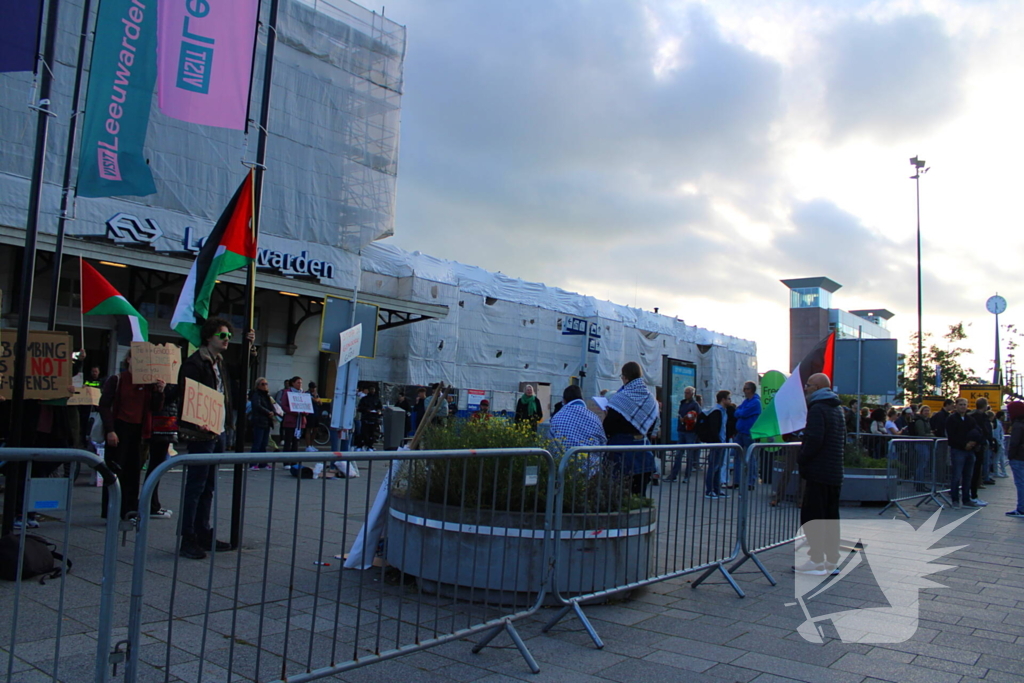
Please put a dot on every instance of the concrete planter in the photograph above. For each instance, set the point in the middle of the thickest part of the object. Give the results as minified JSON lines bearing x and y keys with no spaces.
{"x":496,"y":556}
{"x":864,"y":485}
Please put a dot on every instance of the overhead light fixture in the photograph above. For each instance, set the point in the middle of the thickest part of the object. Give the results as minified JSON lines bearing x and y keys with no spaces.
{"x":112,"y":264}
{"x":289,"y":294}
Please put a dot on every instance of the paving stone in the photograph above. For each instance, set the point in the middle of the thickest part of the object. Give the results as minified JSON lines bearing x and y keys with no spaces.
{"x":809,"y":673}
{"x":888,"y":670}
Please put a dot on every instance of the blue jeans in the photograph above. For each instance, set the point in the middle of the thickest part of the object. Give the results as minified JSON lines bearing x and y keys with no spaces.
{"x":685,"y":438}
{"x":961,"y":471}
{"x":923,"y":471}
{"x":260,"y":439}
{"x":744,"y":440}
{"x":199,"y":484}
{"x":1017,"y":467}
{"x":713,"y":476}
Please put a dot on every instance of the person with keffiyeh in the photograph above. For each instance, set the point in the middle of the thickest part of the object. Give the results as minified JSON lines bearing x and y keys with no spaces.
{"x":632,"y":416}
{"x":577,"y":425}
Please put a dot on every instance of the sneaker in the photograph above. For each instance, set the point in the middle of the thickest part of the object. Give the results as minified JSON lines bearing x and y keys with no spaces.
{"x":162,"y":513}
{"x":1015,"y":513}
{"x":190,"y":549}
{"x":668,"y":479}
{"x":711,"y":496}
{"x":971,"y":504}
{"x":811,"y":568}
{"x":978,"y":502}
{"x":33,"y":523}
{"x":832,"y":569}
{"x":989,"y":482}
{"x":686,"y":481}
{"x":253,"y":468}
{"x":956,"y":505}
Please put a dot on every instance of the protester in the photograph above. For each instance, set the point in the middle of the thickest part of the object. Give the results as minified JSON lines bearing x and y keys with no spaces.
{"x":717,"y":425}
{"x":999,"y":432}
{"x":294,"y":422}
{"x":207,"y":367}
{"x":632,"y":415}
{"x":419,"y":410}
{"x":313,"y":419}
{"x":127,"y":411}
{"x":576,"y":425}
{"x":688,"y":413}
{"x":528,"y":408}
{"x":404,"y":404}
{"x":483,"y":412}
{"x":821,"y":469}
{"x":746,"y":415}
{"x":261,"y":418}
{"x":369,"y":408}
{"x":963,"y":436}
{"x":981,"y":477}
{"x":1015,"y":454}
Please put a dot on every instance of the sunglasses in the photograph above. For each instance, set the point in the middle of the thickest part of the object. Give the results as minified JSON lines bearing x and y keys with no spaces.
{"x":222,"y":335}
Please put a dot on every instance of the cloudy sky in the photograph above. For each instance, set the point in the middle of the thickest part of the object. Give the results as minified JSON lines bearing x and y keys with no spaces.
{"x":688,"y":155}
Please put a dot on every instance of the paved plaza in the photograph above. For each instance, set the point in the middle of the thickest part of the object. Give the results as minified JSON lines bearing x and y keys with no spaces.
{"x":971,"y":630}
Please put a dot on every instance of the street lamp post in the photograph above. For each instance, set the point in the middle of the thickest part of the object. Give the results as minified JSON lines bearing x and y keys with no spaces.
{"x":918,"y":165}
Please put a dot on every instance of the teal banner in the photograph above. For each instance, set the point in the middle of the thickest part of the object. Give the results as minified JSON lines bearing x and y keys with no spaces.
{"x":121,"y":80}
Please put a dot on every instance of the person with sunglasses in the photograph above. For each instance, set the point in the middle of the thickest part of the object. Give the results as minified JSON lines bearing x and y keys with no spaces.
{"x":206,"y":366}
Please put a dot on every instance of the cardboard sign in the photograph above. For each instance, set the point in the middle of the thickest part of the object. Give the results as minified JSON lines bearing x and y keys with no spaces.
{"x":48,"y":373}
{"x":153,"y":362}
{"x":351,"y":340}
{"x":300,"y":403}
{"x":203,"y":406}
{"x":85,"y":396}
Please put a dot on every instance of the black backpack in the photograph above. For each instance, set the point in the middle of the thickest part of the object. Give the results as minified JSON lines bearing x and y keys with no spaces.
{"x":41,"y":559}
{"x":705,"y":430}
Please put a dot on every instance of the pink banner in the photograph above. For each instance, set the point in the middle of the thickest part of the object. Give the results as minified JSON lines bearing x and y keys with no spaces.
{"x":204,"y":60}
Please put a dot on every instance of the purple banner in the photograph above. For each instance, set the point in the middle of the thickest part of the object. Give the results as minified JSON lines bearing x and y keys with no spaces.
{"x":204,"y":60}
{"x":19,"y":34}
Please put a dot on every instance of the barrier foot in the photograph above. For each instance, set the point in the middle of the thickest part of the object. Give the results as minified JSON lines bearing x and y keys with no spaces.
{"x":514,"y":635}
{"x":728,"y":577}
{"x":890,"y":504}
{"x":945,"y":501}
{"x":930,"y":497}
{"x":575,"y":607}
{"x":757,"y":561}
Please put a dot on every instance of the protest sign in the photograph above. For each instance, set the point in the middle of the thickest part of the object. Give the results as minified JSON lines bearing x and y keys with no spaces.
{"x":48,"y":368}
{"x":153,"y":362}
{"x":203,"y":406}
{"x":351,"y":340}
{"x":85,"y":396}
{"x":300,"y":403}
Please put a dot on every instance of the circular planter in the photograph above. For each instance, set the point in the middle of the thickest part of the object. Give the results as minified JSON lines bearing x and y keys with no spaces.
{"x":492,"y":556}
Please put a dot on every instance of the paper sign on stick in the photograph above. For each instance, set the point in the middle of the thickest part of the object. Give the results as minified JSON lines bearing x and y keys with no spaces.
{"x":48,"y":371}
{"x":85,"y":396}
{"x":300,"y":403}
{"x":203,"y":406}
{"x":351,"y":340}
{"x":153,"y":362}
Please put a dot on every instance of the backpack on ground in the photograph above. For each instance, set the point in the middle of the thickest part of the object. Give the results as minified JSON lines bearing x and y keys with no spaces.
{"x":41,"y":559}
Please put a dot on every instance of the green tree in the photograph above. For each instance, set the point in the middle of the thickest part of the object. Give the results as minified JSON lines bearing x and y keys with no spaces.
{"x":948,"y":359}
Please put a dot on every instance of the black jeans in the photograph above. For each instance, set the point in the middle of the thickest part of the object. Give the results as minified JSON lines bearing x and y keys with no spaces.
{"x":200,"y":481}
{"x":157,"y":456}
{"x":821,"y":502}
{"x":978,"y":474}
{"x":127,"y":455}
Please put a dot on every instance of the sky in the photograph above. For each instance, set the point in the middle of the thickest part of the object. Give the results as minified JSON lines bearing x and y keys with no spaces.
{"x":689,"y":155}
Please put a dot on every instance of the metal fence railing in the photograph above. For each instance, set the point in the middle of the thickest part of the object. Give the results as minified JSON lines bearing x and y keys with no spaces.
{"x":912,"y":472}
{"x":614,"y":532}
{"x":771,"y":510}
{"x":467,"y":546}
{"x":40,"y":612}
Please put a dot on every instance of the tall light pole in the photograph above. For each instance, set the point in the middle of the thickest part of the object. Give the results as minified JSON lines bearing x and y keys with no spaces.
{"x":918,"y":165}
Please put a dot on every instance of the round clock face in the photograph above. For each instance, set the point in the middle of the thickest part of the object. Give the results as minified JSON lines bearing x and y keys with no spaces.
{"x":996,"y":304}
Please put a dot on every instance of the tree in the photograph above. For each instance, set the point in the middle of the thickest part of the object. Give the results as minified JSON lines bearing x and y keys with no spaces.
{"x":948,"y":360}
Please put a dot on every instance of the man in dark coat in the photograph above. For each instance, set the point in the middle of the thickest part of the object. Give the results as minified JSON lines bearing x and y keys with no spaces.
{"x":821,"y":467}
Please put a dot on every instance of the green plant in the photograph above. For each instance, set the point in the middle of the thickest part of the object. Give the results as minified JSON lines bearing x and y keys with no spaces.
{"x":856,"y":455}
{"x":514,"y":484}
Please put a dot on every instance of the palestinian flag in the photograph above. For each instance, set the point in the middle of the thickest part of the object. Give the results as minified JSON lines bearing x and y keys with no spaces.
{"x":100,"y":298}
{"x":788,"y":412}
{"x":231,"y":245}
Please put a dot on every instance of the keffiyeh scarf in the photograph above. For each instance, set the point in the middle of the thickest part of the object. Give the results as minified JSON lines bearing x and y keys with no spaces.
{"x":635,"y":403}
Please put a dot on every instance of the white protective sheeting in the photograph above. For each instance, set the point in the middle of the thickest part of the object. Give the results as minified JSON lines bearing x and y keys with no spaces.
{"x":501,"y":331}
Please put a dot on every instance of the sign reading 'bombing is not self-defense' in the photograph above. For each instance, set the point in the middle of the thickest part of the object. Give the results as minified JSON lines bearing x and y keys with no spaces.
{"x":48,"y":370}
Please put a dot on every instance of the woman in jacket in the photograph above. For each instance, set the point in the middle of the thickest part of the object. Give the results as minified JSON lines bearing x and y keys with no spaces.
{"x":261,"y":418}
{"x":293,"y":422}
{"x":528,"y":407}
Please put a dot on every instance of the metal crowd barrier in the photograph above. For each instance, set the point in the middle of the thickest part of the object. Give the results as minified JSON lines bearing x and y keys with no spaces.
{"x":770,"y":516}
{"x":609,"y":540}
{"x":468,"y":542}
{"x":911,"y":472}
{"x":34,"y":614}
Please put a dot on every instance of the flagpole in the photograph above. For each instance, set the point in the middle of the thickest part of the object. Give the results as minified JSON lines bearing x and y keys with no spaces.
{"x":259,"y":168}
{"x":28,"y":264}
{"x":69,"y":153}
{"x":81,"y":293}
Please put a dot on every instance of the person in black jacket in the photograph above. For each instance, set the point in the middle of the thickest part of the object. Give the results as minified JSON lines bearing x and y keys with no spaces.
{"x":982,"y":462}
{"x":261,"y":419}
{"x":821,"y":467}
{"x":939,"y":418}
{"x":963,"y":436}
{"x":1015,"y":453}
{"x":207,"y":367}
